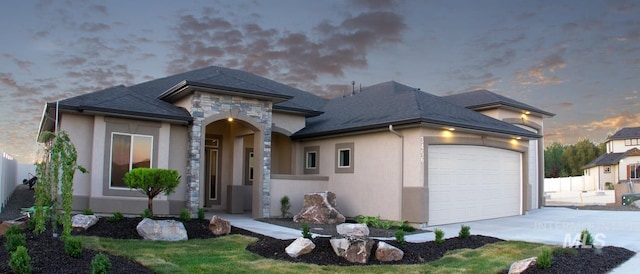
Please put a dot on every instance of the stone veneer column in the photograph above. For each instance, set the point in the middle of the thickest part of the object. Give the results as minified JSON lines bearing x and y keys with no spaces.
{"x":205,"y":105}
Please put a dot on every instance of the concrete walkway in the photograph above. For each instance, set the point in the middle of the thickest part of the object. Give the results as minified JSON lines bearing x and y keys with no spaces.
{"x":547,"y":225}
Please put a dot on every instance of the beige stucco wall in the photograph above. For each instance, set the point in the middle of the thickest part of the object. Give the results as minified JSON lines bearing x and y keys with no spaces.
{"x":294,"y":187}
{"x":80,"y":130}
{"x":289,"y":122}
{"x":622,"y":167}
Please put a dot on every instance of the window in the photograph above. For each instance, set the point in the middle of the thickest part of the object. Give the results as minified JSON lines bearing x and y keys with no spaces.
{"x":311,"y":160}
{"x":344,"y":158}
{"x":634,"y":171}
{"x":128,"y":151}
{"x":607,"y":169}
{"x":631,"y":142}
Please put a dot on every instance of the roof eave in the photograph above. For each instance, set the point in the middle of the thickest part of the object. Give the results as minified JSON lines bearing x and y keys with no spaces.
{"x":298,"y":111}
{"x":185,"y":87}
{"x":128,"y":114}
{"x":542,"y":113}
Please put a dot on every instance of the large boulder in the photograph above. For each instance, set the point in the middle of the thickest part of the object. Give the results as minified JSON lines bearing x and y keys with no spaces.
{"x":6,"y":224}
{"x":219,"y":226}
{"x":388,"y":253}
{"x":83,"y":222}
{"x":163,"y":230}
{"x":355,"y":251}
{"x":319,"y":208}
{"x":299,"y":247}
{"x":520,"y":266}
{"x":353,"y":230}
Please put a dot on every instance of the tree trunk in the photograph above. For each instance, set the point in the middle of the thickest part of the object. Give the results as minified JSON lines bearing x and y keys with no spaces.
{"x":150,"y":205}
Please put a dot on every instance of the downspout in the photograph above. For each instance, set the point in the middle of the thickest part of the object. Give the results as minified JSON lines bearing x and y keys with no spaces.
{"x":401,"y":164}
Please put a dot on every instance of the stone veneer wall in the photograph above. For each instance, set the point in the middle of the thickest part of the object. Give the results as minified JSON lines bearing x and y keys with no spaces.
{"x":206,"y":105}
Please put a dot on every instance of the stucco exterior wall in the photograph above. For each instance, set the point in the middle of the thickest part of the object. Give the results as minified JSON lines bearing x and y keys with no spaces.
{"x":80,"y":130}
{"x":289,"y":122}
{"x":294,"y":187}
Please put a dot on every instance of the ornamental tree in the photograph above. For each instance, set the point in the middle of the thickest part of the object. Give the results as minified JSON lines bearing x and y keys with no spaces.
{"x":152,"y":182}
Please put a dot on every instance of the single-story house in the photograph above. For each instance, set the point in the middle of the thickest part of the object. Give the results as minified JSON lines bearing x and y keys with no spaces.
{"x":621,"y":162}
{"x":241,"y":142}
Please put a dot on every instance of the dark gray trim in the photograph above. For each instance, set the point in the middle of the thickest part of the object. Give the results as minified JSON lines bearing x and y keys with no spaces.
{"x":185,"y":87}
{"x":341,"y":146}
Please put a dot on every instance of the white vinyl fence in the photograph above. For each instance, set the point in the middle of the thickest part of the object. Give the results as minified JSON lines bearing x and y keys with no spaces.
{"x":569,"y":184}
{"x":8,"y":177}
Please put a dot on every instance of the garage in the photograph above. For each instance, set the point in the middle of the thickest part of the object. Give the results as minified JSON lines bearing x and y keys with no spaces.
{"x":468,"y":183}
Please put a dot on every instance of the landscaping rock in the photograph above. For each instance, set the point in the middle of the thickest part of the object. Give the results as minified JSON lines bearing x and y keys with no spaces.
{"x":388,"y":253}
{"x":83,"y":222}
{"x":219,"y":226}
{"x":319,"y":208}
{"x":636,"y":203}
{"x":357,"y":251}
{"x":299,"y":247}
{"x":353,"y":230}
{"x":518,"y":267}
{"x":6,"y":224}
{"x":163,"y":230}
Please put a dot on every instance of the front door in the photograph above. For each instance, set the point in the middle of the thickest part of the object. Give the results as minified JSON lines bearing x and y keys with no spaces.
{"x":212,"y":174}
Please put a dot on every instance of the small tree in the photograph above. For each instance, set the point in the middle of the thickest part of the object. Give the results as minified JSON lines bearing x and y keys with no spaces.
{"x":152,"y":182}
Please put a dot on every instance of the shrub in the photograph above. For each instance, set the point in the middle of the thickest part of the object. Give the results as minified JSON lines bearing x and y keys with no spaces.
{"x":464,"y":231}
{"x":73,"y":246}
{"x":14,"y":241}
{"x":609,"y":186}
{"x":544,"y":259}
{"x":87,"y":211}
{"x":147,"y":214}
{"x":200,"y":214}
{"x":284,"y":206}
{"x":400,"y":236}
{"x":306,"y":231}
{"x":100,"y":264}
{"x":406,"y":227}
{"x":185,"y":216}
{"x":117,"y":216}
{"x":439,"y":235}
{"x":14,"y":229}
{"x":585,"y":237}
{"x":20,"y":262}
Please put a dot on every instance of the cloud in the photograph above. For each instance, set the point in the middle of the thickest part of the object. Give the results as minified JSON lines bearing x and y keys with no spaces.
{"x":621,"y":120}
{"x":296,"y":58}
{"x":565,"y":105}
{"x":622,"y":6}
{"x":93,"y":27}
{"x":7,"y":80}
{"x":537,"y":74}
{"x":25,"y":65}
{"x":375,"y":4}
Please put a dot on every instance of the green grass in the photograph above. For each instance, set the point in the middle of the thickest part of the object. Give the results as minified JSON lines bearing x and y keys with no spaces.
{"x":228,"y":255}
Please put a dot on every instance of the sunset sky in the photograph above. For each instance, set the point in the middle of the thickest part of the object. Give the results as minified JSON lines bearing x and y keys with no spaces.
{"x":577,"y":59}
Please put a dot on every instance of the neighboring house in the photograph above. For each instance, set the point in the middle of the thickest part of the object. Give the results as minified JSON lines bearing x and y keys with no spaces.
{"x":621,"y":163}
{"x":242,"y":142}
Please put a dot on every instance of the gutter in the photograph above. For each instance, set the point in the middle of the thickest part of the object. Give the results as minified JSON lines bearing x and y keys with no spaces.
{"x":401,"y":163}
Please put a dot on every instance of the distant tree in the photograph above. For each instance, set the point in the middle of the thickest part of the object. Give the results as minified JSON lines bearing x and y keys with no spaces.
{"x":152,"y":182}
{"x":578,"y":155}
{"x":553,"y":164}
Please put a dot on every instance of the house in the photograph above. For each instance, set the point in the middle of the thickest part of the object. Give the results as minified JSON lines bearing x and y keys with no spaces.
{"x":621,"y":162}
{"x":241,"y":142}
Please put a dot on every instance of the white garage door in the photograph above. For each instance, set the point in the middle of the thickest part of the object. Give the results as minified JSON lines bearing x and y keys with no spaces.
{"x":468,"y":183}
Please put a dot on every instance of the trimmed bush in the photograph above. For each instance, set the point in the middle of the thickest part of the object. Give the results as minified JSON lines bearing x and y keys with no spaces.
{"x":73,"y":246}
{"x":116,"y":217}
{"x":306,"y":231}
{"x":586,"y":238}
{"x":285,"y":205}
{"x":439,"y":235}
{"x":152,"y":182}
{"x":87,"y":211}
{"x":20,"y":262}
{"x":400,"y":236}
{"x":14,"y":229}
{"x":544,"y":259}
{"x":14,"y":241}
{"x":185,"y":216}
{"x":200,"y":214}
{"x":147,"y":214}
{"x":100,"y":264}
{"x":465,"y":231}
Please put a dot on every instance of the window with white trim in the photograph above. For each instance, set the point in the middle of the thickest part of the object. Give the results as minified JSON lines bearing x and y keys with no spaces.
{"x":634,"y":171}
{"x":344,"y":158}
{"x":128,"y":151}
{"x":311,"y":160}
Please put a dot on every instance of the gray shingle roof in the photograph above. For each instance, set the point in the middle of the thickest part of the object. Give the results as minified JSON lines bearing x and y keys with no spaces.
{"x":393,"y":103}
{"x":479,"y":99}
{"x":142,"y":99}
{"x":608,"y":159}
{"x":626,"y":133}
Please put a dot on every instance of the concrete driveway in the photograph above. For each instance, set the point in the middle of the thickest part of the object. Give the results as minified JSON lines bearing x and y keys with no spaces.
{"x":557,"y":225}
